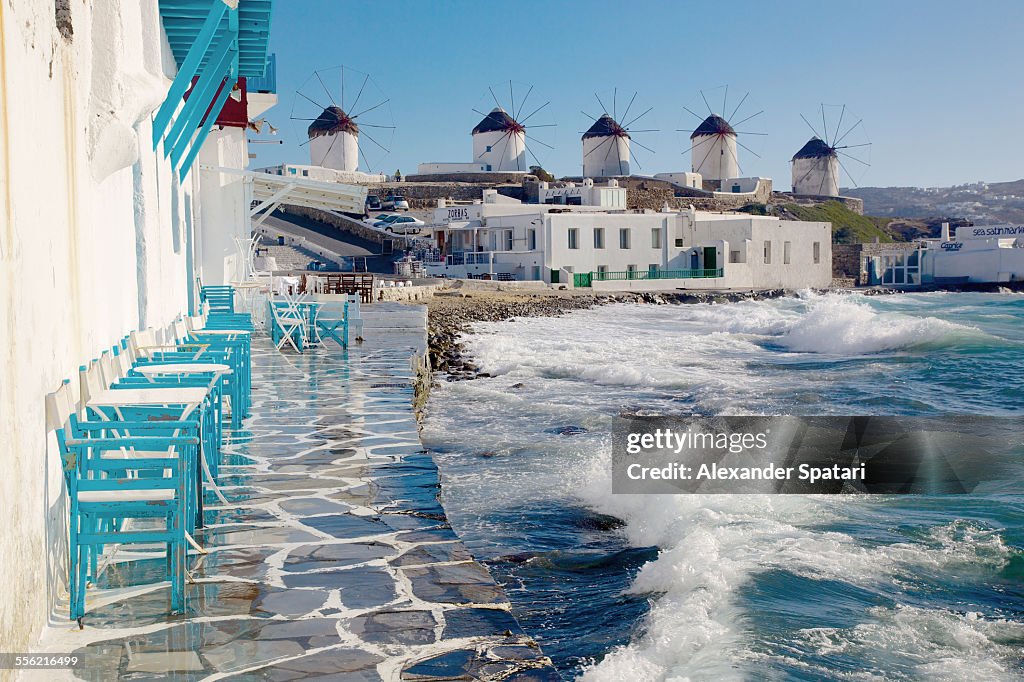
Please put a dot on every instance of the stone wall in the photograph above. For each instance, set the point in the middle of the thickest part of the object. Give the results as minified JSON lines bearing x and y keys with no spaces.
{"x":853,"y":203}
{"x":846,"y":261}
{"x":464,"y":178}
{"x":424,"y":195}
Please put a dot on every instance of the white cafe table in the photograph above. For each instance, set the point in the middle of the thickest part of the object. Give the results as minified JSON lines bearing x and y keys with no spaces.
{"x":156,"y":370}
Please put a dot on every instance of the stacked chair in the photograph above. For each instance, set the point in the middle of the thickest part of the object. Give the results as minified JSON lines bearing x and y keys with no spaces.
{"x":145,"y":439}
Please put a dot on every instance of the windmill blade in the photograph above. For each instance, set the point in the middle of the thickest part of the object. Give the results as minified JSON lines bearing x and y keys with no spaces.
{"x":508,"y":138}
{"x":534,"y":112}
{"x":317,"y":74}
{"x":530,"y":152}
{"x":748,"y":149}
{"x":699,"y":117}
{"x":480,"y":112}
{"x":649,"y":130}
{"x":328,"y":152}
{"x":542,"y":125}
{"x":706,"y":103}
{"x":360,"y":93}
{"x":522,"y":104}
{"x":615,"y":104}
{"x":603,"y":107}
{"x":854,"y":158}
{"x":540,"y":142}
{"x":824,"y":126}
{"x":294,"y":118}
{"x":495,"y":97}
{"x":703,"y":141}
{"x":625,"y":114}
{"x":734,"y":158}
{"x":592,"y":118}
{"x":610,"y":147}
{"x":733,"y":114}
{"x":725,"y":98}
{"x":633,"y":157}
{"x":821,"y":184}
{"x":599,"y":145}
{"x":849,"y":131}
{"x":507,"y":133}
{"x":366,"y":161}
{"x":374,"y":125}
{"x":747,"y":119}
{"x":649,"y":110}
{"x":512,"y":99}
{"x":852,"y":146}
{"x":804,"y":176}
{"x":848,"y":174}
{"x":366,"y":111}
{"x":839,"y":125}
{"x":367,"y":136}
{"x":813,"y":130}
{"x":747,"y":132}
{"x":710,"y":149}
{"x":644,"y":147}
{"x":300,"y":94}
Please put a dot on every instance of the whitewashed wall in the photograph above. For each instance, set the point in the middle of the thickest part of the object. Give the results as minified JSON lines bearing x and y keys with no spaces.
{"x":339,"y":151}
{"x":508,"y":152}
{"x":224,"y":205}
{"x":94,"y":235}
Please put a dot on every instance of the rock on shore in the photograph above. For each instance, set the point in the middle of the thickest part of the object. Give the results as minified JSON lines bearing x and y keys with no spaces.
{"x":451,"y":314}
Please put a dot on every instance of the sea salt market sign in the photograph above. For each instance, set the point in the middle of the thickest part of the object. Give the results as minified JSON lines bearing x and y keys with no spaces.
{"x":990,"y":231}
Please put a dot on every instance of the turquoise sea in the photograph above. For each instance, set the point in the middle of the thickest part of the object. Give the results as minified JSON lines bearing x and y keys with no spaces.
{"x":619,"y":587}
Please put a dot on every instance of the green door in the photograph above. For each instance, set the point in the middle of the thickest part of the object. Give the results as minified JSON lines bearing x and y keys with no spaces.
{"x":582,"y":279}
{"x":554,"y":276}
{"x":710,"y":258}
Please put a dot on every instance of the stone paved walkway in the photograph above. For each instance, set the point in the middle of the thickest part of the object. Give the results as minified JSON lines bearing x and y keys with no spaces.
{"x":332,"y":560}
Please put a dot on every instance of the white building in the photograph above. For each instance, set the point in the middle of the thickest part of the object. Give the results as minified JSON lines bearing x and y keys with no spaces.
{"x":983,"y":254}
{"x":124,"y":184}
{"x":816,"y":169}
{"x":499,"y":146}
{"x":321,"y":174}
{"x":592,"y":246}
{"x":713,"y":149}
{"x":605,"y":149}
{"x":609,"y":195}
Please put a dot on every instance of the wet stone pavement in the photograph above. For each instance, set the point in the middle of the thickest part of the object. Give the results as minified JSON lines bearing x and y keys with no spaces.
{"x":332,"y":558}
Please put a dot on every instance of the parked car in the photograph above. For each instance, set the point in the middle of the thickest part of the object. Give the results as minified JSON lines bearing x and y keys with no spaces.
{"x":373,"y":203}
{"x":405,"y":225}
{"x":386,"y":220}
{"x":393,"y":202}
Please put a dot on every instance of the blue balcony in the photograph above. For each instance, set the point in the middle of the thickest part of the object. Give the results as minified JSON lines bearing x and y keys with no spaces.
{"x":268,"y":81}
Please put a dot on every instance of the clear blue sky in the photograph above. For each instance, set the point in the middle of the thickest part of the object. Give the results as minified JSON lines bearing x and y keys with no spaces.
{"x":939,"y":84}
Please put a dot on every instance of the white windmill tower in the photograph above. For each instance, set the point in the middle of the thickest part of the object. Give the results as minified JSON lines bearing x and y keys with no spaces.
{"x":336,"y":125}
{"x":607,"y":143}
{"x":500,"y":138}
{"x":334,"y":140}
{"x":817,"y":166}
{"x":713,"y":144}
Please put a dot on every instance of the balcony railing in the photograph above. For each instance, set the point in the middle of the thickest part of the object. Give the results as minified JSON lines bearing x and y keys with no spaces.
{"x":699,"y":273}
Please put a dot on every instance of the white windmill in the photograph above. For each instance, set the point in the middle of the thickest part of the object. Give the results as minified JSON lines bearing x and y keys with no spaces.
{"x":500,"y":138}
{"x":817,"y":167}
{"x":337,"y":124}
{"x":713,"y":143}
{"x":607,"y":143}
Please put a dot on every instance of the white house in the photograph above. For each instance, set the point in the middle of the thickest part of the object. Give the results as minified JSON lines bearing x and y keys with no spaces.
{"x":322,"y":174}
{"x":593,"y":246}
{"x":609,"y":195}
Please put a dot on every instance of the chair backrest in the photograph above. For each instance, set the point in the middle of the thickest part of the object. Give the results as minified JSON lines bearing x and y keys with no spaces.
{"x":91,"y":380}
{"x":140,"y":340}
{"x":59,"y":408}
{"x":196,"y":322}
{"x":108,"y":369}
{"x":180,"y":330}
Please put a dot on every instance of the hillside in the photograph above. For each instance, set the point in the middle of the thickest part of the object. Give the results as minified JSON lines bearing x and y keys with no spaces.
{"x":980,"y":202}
{"x":847,"y":227}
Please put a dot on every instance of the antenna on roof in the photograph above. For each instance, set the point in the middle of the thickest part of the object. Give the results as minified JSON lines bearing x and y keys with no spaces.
{"x":334,"y":131}
{"x":613,"y":138}
{"x":817,"y":168}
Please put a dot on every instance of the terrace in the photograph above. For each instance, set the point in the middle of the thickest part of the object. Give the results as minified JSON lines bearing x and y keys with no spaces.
{"x":322,"y":550}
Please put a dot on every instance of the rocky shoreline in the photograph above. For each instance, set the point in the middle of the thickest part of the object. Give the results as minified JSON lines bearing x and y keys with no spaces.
{"x":452,"y":313}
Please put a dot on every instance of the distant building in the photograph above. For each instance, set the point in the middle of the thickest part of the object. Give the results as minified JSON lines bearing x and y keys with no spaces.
{"x":602,"y":248}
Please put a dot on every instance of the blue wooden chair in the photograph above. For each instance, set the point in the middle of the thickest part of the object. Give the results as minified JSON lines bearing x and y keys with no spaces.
{"x":331,"y":322}
{"x":128,"y":483}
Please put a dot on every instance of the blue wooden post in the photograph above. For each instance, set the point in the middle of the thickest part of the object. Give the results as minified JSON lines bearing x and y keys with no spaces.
{"x":204,"y":131}
{"x":203,"y":92}
{"x":188,"y":69}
